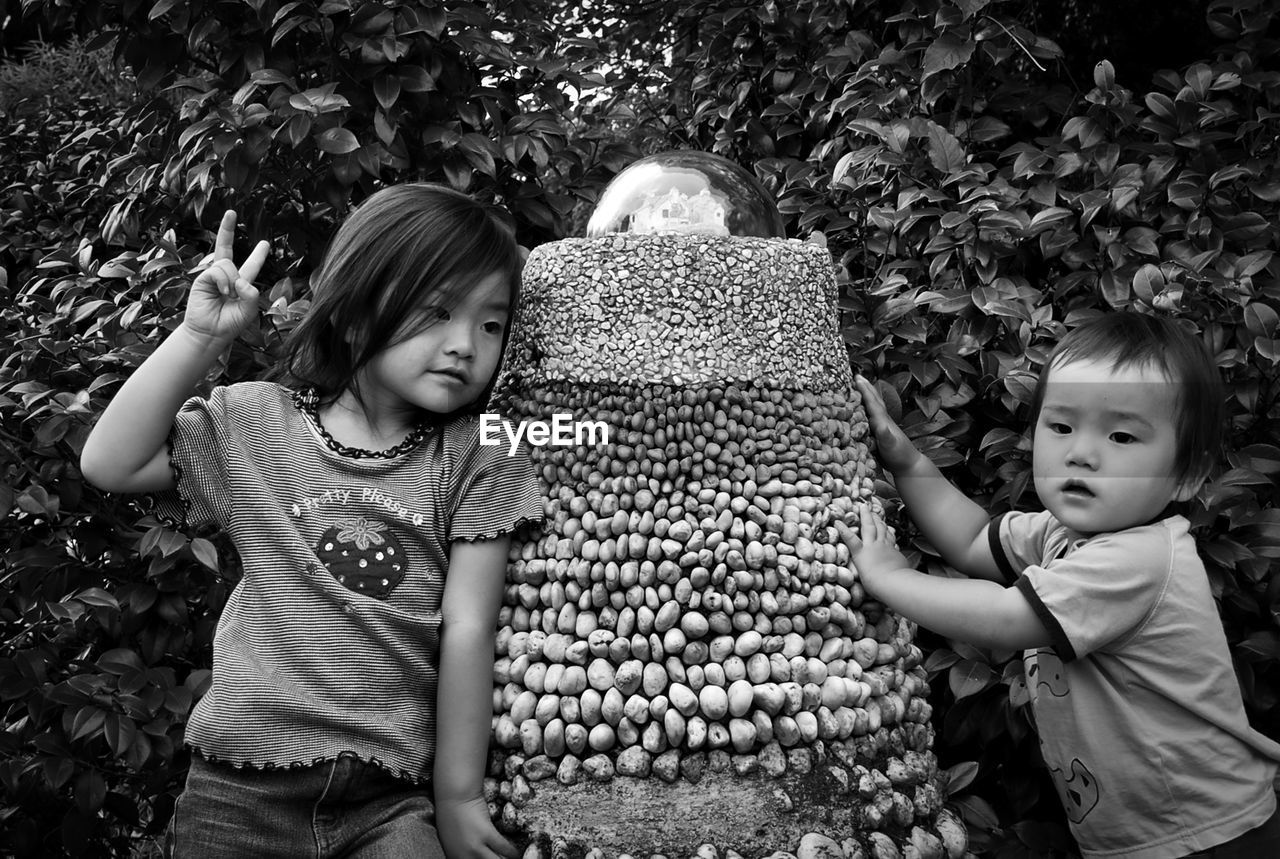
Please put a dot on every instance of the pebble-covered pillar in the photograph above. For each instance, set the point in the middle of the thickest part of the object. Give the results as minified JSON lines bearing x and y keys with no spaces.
{"x":687,"y":664}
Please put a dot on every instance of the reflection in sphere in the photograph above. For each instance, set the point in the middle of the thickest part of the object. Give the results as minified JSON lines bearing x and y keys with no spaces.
{"x":686,"y":192}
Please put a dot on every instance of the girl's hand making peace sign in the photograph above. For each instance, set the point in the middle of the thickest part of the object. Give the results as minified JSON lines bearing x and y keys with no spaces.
{"x":223,"y":299}
{"x":128,"y":450}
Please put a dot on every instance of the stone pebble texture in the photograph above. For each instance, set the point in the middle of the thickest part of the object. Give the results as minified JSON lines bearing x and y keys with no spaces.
{"x":687,"y":664}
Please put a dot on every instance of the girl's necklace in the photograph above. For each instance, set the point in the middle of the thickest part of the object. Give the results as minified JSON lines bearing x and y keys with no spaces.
{"x":309,"y":404}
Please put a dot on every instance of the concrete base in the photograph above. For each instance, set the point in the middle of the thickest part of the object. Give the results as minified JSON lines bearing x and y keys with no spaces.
{"x":755,"y":815}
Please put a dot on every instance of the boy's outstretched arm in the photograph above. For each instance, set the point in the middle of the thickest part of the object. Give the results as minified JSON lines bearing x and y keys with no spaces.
{"x":464,"y":700}
{"x":950,"y":520}
{"x":979,"y":612}
{"x":127,"y":449}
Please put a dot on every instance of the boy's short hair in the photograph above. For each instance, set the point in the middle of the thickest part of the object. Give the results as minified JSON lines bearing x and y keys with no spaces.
{"x":1128,"y":338}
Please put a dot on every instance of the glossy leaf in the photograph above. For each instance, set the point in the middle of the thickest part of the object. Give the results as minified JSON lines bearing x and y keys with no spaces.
{"x":337,"y":141}
{"x":969,"y":677}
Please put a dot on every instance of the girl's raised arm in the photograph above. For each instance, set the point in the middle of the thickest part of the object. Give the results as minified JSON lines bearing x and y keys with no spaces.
{"x":127,"y":450}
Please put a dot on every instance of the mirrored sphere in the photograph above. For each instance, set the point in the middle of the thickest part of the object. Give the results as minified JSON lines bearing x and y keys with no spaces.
{"x":686,"y":191}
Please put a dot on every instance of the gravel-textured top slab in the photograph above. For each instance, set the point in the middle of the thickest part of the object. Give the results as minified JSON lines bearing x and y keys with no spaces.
{"x":680,"y":309}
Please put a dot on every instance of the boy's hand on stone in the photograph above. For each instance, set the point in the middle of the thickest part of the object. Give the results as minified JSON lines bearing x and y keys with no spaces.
{"x":894,"y":450}
{"x":872,"y":548}
{"x":223,"y":299}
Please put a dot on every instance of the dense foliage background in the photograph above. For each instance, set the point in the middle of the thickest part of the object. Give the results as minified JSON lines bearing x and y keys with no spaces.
{"x":987,"y":173}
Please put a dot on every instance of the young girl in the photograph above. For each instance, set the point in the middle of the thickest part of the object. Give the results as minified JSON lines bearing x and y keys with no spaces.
{"x":373,"y":530}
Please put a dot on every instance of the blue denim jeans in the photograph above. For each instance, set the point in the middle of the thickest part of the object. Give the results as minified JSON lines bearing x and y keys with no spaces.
{"x":342,"y":808}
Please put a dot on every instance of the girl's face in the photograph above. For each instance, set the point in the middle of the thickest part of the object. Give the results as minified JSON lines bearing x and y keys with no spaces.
{"x":1105,"y":446}
{"x":446,"y":365}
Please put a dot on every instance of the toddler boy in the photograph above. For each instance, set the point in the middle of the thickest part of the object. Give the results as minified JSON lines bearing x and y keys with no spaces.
{"x":1138,"y":710}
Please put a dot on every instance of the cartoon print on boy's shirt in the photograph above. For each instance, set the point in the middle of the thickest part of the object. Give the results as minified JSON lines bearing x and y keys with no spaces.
{"x":1079,"y":791}
{"x":363,"y":555}
{"x":1044,"y":670}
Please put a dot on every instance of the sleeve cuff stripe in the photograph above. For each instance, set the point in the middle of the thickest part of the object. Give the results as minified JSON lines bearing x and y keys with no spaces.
{"x":1061,"y":644}
{"x":997,"y":549}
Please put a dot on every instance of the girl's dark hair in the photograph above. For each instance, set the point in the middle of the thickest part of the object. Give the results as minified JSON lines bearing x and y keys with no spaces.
{"x":405,"y":247}
{"x":1128,"y":339}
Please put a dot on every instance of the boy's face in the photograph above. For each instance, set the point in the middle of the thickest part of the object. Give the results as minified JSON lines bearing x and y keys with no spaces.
{"x":1105,"y":446}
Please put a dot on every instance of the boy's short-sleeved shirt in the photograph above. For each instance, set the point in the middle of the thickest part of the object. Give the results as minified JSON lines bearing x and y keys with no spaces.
{"x":1138,"y":709}
{"x":329,"y":642}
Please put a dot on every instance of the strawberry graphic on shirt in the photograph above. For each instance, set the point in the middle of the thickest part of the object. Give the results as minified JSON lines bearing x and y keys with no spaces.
{"x":363,"y":555}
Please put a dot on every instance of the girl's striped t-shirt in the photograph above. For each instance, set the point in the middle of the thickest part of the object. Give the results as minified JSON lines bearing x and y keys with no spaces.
{"x":329,"y":641}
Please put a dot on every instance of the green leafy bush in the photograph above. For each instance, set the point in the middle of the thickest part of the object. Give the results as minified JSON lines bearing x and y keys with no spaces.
{"x":100,"y":660}
{"x":289,"y":111}
{"x":50,"y":77}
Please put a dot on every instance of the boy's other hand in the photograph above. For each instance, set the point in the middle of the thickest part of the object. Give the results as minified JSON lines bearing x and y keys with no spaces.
{"x":871,"y":549}
{"x":894,"y":450}
{"x":223,"y":299}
